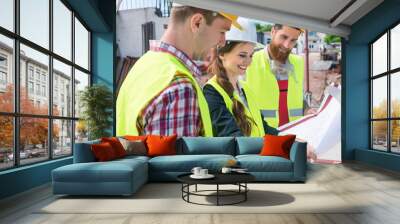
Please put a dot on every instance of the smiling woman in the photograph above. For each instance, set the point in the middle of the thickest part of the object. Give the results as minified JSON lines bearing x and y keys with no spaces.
{"x":232,"y":108}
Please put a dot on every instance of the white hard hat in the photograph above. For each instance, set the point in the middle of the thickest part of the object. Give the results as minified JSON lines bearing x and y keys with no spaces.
{"x":248,"y":34}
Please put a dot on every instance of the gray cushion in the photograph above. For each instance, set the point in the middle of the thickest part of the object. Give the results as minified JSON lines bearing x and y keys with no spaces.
{"x":133,"y":147}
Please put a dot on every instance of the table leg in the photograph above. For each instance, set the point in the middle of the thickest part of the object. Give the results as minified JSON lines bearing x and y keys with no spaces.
{"x":217,"y":194}
{"x":245,"y":191}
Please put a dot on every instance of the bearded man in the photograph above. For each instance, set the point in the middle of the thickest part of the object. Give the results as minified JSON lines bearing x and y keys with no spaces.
{"x":276,"y":77}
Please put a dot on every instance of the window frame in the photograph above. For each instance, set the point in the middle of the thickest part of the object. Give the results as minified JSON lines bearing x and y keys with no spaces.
{"x":388,"y":74}
{"x":51,"y":118}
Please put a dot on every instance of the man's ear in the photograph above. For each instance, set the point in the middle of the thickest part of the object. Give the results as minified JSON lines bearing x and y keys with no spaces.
{"x":196,"y":22}
{"x":273,"y":31}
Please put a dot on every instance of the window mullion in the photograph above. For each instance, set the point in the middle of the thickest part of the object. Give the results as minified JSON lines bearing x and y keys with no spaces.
{"x":16,"y":84}
{"x":73,"y":82}
{"x":50,"y":81}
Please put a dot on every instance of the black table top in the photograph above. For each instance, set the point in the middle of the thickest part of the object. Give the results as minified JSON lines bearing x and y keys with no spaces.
{"x":220,"y":178}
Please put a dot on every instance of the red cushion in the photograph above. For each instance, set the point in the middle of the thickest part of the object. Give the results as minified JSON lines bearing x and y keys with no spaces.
{"x":277,"y":145}
{"x":161,"y":145}
{"x":116,"y":145}
{"x":135,"y":138}
{"x":103,"y":151}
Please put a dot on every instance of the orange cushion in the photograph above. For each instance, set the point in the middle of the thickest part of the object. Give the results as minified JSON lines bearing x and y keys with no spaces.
{"x":161,"y":145}
{"x":103,"y":151}
{"x":277,"y":145}
{"x":135,"y":138}
{"x":116,"y":145}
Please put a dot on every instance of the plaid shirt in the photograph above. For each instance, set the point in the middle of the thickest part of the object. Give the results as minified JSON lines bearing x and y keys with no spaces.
{"x":175,"y":110}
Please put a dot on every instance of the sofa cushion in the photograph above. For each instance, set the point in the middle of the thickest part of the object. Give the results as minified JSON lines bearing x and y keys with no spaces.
{"x":112,"y":171}
{"x":83,"y":152}
{"x":277,"y":145}
{"x":131,"y":158}
{"x":116,"y":145}
{"x":135,"y":138}
{"x":103,"y":152}
{"x":249,"y":145}
{"x":257,"y":163}
{"x":161,"y":145}
{"x":185,"y":163}
{"x":206,"y":145}
{"x":136,"y":147}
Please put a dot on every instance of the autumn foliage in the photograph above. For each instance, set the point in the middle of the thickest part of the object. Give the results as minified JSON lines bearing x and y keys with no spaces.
{"x":33,"y":130}
{"x":380,"y":127}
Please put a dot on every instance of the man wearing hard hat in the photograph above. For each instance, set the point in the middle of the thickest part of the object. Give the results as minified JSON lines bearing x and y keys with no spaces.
{"x":161,"y":94}
{"x":276,"y":77}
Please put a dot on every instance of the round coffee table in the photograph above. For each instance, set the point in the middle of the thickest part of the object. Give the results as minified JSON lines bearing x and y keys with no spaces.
{"x":238,"y":179}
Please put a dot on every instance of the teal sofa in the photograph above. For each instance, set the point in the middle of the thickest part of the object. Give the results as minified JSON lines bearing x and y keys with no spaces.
{"x":125,"y":176}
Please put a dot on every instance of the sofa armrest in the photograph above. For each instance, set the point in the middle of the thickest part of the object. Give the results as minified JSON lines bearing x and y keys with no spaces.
{"x":83,"y":152}
{"x":298,"y":155}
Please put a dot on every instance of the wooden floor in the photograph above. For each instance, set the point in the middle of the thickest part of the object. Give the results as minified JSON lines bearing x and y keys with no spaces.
{"x":354,"y":182}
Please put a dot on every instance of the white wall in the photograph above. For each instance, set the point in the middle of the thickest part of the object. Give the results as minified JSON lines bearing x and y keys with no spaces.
{"x":129,"y":29}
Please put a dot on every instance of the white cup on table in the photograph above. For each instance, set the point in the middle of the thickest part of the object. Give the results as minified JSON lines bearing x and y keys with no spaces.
{"x":196,"y":170}
{"x":203,"y":172}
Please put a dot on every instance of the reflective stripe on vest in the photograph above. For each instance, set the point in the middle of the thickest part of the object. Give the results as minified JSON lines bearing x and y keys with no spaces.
{"x":296,"y":112}
{"x":268,"y":113}
{"x":265,"y":87}
{"x":252,"y":111}
{"x":152,"y":73}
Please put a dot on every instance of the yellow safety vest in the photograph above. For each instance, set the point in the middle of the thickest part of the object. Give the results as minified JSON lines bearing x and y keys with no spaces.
{"x":252,"y":111}
{"x":265,"y":86}
{"x":152,"y":73}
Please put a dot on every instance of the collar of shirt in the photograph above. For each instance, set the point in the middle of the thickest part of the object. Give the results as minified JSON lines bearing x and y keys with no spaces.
{"x":184,"y":58}
{"x":281,"y":71}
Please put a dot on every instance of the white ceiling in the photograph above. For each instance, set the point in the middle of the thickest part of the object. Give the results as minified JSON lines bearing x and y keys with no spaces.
{"x":316,"y":15}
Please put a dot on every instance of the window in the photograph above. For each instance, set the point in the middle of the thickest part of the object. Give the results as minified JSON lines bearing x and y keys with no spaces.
{"x":35,"y":22}
{"x":44,"y":91}
{"x":81,"y":45}
{"x":30,"y":73}
{"x":385,"y":96}
{"x":37,"y":74}
{"x":3,"y":61}
{"x":7,"y":14}
{"x":54,"y":125}
{"x":7,"y":73}
{"x":38,"y":89}
{"x":3,"y":78}
{"x":30,"y":87}
{"x":62,"y":29}
{"x":62,"y":75}
{"x":3,"y":72}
